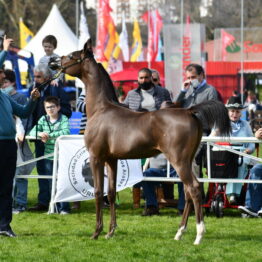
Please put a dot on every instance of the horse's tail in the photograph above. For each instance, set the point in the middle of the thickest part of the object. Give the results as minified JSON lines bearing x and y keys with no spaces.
{"x":213,"y":114}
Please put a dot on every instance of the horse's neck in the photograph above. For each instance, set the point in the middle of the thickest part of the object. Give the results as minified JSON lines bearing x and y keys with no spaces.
{"x":99,"y":89}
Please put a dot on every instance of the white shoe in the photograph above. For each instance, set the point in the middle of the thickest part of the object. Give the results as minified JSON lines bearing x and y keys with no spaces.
{"x":248,"y":211}
{"x":259,"y":213}
{"x":64,"y":213}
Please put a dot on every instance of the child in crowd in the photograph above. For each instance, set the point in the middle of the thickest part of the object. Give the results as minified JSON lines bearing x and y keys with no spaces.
{"x":49,"y":44}
{"x":48,"y":128}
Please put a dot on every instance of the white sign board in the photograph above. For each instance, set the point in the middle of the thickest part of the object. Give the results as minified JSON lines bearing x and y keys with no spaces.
{"x":74,"y":178}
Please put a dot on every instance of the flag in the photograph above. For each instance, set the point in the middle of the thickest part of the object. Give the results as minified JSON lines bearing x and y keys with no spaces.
{"x":227,"y":40}
{"x":155,"y":24}
{"x":83,"y":28}
{"x":25,"y":34}
{"x":123,"y":40}
{"x":137,"y":43}
{"x":160,"y":50}
{"x":107,"y":36}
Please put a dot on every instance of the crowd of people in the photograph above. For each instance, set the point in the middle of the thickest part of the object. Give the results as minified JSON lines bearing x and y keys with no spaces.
{"x":45,"y":116}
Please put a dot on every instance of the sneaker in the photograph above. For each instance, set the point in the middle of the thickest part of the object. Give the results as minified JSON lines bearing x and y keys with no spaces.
{"x":151,"y":211}
{"x":7,"y":233}
{"x":259,"y":213}
{"x":248,"y":211}
{"x":64,"y":212}
{"x":18,"y":209}
{"x":38,"y":207}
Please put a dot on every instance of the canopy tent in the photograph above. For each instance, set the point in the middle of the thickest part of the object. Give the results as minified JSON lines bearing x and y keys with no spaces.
{"x":54,"y":25}
{"x":125,"y":75}
{"x":129,"y":74}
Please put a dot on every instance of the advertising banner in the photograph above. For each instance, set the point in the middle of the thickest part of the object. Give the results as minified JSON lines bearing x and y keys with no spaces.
{"x":74,"y":179}
{"x":181,"y":52}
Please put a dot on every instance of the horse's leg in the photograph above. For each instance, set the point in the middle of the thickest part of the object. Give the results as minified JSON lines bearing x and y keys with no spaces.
{"x":97,"y":168}
{"x":187,"y":210}
{"x":193,"y":191}
{"x":112,"y":172}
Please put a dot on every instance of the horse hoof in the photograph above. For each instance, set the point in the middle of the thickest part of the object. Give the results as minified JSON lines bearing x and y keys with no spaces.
{"x":94,"y":236}
{"x":108,"y":236}
{"x":178,"y":237}
{"x":198,"y":241}
{"x":179,"y":233}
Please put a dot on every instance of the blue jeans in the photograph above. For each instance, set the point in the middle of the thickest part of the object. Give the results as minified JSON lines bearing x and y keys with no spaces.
{"x":43,"y":184}
{"x":235,"y":188}
{"x":149,"y":187}
{"x":254,"y":191}
{"x":46,"y":193}
{"x":20,"y":191}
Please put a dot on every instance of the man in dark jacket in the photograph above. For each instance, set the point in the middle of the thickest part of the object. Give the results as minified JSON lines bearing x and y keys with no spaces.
{"x":147,"y":97}
{"x":42,"y":74}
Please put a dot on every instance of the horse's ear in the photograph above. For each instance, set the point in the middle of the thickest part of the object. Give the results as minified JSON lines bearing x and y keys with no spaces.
{"x":88,"y":46}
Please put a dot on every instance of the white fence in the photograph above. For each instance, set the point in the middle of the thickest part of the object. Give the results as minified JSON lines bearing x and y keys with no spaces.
{"x":209,"y":140}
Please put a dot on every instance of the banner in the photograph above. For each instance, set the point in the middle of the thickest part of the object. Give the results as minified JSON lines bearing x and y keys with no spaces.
{"x":155,"y":24}
{"x":74,"y":178}
{"x":25,"y":34}
{"x":137,"y":44}
{"x":180,"y":49}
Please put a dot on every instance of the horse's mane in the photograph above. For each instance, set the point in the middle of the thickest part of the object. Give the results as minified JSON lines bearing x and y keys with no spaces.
{"x":109,"y":87}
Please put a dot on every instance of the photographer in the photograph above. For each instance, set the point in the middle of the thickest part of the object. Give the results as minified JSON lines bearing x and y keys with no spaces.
{"x":4,"y":45}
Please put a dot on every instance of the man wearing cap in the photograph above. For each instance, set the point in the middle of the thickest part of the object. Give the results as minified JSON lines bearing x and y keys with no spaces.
{"x":240,"y":128}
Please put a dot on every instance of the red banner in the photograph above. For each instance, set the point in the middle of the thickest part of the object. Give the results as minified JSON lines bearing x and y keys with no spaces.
{"x":155,"y":24}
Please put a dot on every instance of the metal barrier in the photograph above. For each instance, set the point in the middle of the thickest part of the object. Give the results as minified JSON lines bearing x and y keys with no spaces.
{"x":209,"y":140}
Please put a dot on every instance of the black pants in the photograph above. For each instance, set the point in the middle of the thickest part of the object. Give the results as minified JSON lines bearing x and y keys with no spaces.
{"x":8,"y":155}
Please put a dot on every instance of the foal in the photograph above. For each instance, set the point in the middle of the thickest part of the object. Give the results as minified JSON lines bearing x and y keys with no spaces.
{"x":114,"y":132}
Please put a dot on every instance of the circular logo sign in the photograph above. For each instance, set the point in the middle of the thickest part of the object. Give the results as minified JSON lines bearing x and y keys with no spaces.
{"x":81,"y":177}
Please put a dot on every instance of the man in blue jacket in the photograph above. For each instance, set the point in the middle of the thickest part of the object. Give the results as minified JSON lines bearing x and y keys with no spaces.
{"x":8,"y":147}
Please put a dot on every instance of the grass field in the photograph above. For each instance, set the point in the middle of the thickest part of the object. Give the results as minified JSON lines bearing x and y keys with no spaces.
{"x":43,"y":237}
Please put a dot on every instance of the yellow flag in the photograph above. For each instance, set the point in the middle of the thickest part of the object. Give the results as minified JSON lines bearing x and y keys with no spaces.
{"x":137,"y":43}
{"x":113,"y":39}
{"x":25,"y":34}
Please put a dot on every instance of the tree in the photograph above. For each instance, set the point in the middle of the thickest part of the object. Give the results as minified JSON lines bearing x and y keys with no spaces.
{"x":33,"y":12}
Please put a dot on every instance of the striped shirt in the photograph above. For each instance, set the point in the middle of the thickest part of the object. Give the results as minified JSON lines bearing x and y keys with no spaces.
{"x":54,"y":130}
{"x":81,"y":107}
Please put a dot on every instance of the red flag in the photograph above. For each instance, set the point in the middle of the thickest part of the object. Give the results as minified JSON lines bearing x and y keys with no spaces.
{"x":227,"y":39}
{"x":155,"y":22}
{"x":107,"y":36}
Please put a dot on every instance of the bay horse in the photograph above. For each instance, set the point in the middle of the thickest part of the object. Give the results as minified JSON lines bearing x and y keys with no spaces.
{"x":114,"y":132}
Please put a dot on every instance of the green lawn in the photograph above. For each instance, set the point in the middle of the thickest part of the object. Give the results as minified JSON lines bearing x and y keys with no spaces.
{"x":43,"y":237}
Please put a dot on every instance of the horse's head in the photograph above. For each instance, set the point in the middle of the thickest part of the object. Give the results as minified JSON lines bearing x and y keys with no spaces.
{"x":71,"y":64}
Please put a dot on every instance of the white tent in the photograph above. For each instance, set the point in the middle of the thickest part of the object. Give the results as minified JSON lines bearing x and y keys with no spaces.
{"x":54,"y":25}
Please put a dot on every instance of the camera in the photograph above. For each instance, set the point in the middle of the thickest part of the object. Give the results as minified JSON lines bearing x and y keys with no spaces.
{"x":1,"y":42}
